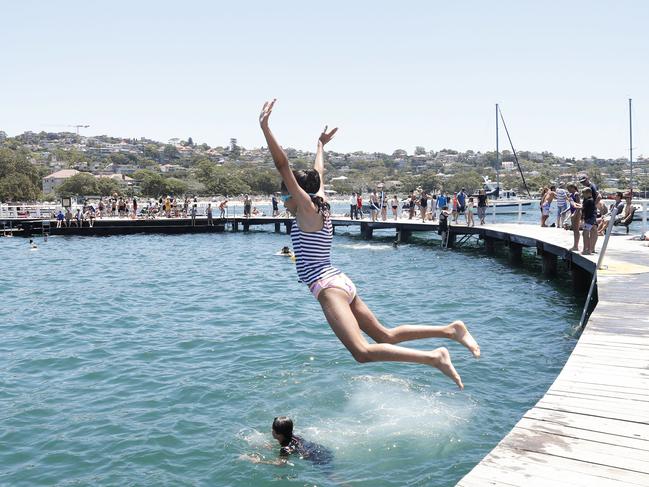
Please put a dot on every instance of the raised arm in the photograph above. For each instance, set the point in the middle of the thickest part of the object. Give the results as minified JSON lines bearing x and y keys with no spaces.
{"x":280,"y":159}
{"x":318,"y":165}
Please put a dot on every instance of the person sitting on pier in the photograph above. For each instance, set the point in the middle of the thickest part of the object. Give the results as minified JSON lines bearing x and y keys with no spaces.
{"x":60,"y":219}
{"x":617,"y":204}
{"x":347,"y":314}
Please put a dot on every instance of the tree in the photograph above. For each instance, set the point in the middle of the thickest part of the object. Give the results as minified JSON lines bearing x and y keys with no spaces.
{"x":429,"y":181}
{"x":18,"y":187}
{"x":469,"y":180}
{"x":190,"y":142}
{"x":170,"y":152}
{"x":20,"y":180}
{"x":82,"y":184}
{"x":107,"y":187}
{"x":420,"y":151}
{"x":175,"y":186}
{"x":151,"y":183}
{"x":151,"y":151}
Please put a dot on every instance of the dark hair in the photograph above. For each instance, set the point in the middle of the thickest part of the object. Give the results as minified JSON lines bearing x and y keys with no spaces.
{"x":619,"y":193}
{"x":309,"y":181}
{"x":283,"y":425}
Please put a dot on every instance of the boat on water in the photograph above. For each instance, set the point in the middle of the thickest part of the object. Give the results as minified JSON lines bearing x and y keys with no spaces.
{"x":502,"y":198}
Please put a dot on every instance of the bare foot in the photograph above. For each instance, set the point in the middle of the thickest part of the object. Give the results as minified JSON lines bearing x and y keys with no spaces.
{"x":442,"y":360}
{"x":574,"y":249}
{"x":460,"y":334}
{"x":585,"y":253}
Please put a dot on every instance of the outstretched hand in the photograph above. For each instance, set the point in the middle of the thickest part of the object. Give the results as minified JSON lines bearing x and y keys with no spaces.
{"x":326,"y":137}
{"x":266,"y":110}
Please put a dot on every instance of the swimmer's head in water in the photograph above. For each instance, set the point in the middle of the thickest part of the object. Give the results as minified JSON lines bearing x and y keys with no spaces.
{"x":285,"y":250}
{"x":283,"y":425}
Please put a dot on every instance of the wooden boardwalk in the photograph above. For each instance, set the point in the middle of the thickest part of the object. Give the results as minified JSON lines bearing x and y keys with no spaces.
{"x":591,"y":428}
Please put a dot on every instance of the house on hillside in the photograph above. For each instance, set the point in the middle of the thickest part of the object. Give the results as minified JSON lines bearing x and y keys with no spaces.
{"x":52,"y":181}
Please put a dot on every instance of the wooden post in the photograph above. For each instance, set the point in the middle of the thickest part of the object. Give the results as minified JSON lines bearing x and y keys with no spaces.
{"x":450,"y":239}
{"x":515,"y":253}
{"x":366,"y":231}
{"x":278,"y":227}
{"x":403,"y":235}
{"x":235,"y":226}
{"x":246,"y":226}
{"x":549,"y":264}
{"x":490,"y":245}
{"x":580,"y":279}
{"x":289,"y":225}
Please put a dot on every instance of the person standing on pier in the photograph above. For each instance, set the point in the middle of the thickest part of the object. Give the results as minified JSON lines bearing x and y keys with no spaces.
{"x":359,"y":205}
{"x":469,"y":213}
{"x":394,"y":203}
{"x":247,"y":206}
{"x":461,"y":204}
{"x":585,"y":181}
{"x":374,"y":205}
{"x":347,"y":315}
{"x":222,"y":206}
{"x":352,"y":207}
{"x":575,"y":214}
{"x":441,"y":201}
{"x":210,"y":222}
{"x":482,"y":205}
{"x":273,"y":202}
{"x":590,"y":222}
{"x":423,"y":205}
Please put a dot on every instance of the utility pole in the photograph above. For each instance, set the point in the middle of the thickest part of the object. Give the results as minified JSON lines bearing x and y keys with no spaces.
{"x":631,"y":147}
{"x":497,"y":153}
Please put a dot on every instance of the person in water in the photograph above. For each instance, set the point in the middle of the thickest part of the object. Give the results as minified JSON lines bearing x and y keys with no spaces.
{"x":292,"y":444}
{"x":345,"y":311}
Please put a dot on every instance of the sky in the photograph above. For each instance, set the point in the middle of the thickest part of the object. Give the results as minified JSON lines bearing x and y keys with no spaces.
{"x":391,"y":75}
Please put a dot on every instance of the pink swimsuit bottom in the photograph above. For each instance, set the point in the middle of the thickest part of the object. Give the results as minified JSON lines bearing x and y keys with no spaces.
{"x":339,"y":281}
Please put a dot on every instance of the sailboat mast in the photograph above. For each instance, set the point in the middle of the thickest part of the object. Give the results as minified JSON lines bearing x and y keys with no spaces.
{"x":497,"y":152}
{"x":631,"y":147}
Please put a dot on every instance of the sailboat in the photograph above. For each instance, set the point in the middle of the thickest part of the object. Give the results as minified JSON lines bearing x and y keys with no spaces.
{"x":507,"y":197}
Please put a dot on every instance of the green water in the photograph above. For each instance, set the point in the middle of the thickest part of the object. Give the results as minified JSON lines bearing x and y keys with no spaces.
{"x":160,"y":360}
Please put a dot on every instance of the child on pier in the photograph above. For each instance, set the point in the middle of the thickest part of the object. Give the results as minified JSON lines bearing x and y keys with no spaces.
{"x":346,"y":313}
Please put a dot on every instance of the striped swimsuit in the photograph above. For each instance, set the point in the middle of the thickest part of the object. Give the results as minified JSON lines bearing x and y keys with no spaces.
{"x":313,"y":260}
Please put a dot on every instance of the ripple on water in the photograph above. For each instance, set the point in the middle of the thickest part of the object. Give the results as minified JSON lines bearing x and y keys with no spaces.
{"x":160,"y":360}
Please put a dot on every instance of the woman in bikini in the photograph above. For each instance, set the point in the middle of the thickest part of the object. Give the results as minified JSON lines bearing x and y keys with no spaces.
{"x":346,"y":313}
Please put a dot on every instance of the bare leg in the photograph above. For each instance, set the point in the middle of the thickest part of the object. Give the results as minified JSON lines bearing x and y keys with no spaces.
{"x":342,"y":321}
{"x":369,"y":324}
{"x":593,"y":239}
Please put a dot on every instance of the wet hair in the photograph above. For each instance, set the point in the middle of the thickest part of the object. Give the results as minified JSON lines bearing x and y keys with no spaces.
{"x":283,"y":425}
{"x":553,"y":187}
{"x":309,"y":181}
{"x":619,"y":194}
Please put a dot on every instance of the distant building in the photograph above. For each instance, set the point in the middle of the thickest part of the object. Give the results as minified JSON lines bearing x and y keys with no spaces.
{"x":52,"y":181}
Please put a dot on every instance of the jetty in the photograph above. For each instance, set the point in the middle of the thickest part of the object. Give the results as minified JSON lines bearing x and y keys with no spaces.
{"x":591,"y":427}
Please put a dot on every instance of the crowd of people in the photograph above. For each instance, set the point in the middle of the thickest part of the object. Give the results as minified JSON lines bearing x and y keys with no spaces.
{"x":422,"y":205}
{"x":586,"y":213}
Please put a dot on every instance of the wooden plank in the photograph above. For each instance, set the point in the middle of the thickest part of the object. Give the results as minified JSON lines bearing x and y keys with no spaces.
{"x":583,"y":434}
{"x":579,"y":449}
{"x":627,"y":393}
{"x":593,"y":408}
{"x":549,"y":468}
{"x":591,"y":423}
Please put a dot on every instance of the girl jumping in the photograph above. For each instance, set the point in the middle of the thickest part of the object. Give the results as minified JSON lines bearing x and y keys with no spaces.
{"x":346,"y":313}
